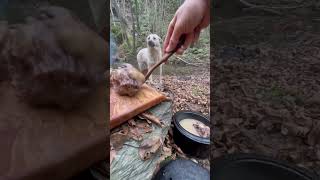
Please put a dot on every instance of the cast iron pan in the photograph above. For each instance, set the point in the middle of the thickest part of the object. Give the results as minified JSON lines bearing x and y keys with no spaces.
{"x":182,"y":169}
{"x":256,"y":167}
{"x":191,"y":144}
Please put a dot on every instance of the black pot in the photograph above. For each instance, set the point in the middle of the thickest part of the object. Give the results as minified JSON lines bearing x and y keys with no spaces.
{"x":182,"y":169}
{"x":189,"y":143}
{"x":256,"y":167}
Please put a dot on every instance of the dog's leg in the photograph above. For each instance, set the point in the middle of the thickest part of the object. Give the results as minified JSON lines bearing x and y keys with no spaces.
{"x":149,"y":67}
{"x":160,"y":78}
{"x":161,"y":66}
{"x":140,"y":68}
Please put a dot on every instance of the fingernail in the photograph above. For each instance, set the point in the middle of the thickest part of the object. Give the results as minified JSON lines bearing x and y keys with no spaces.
{"x":180,"y":51}
{"x":184,"y":47}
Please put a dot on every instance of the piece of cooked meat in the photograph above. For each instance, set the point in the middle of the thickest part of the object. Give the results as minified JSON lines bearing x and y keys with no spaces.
{"x":4,"y":73}
{"x":126,"y":80}
{"x":50,"y":67}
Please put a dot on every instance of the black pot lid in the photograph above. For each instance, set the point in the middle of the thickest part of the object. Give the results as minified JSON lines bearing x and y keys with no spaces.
{"x":255,"y":167}
{"x":182,"y":169}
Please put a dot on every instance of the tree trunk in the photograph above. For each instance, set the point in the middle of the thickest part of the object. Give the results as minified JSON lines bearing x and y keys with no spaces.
{"x":123,"y":22}
{"x":119,"y":13}
{"x":137,"y":14}
{"x":162,"y":18}
{"x":112,"y":16}
{"x":155,"y":15}
{"x":133,"y":27}
{"x":149,"y":16}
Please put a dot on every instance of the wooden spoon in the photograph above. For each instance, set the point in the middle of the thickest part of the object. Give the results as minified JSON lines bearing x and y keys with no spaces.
{"x":166,"y":56}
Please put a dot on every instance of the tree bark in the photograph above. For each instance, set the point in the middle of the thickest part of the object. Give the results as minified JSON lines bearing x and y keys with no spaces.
{"x":123,"y":22}
{"x":137,"y":14}
{"x":133,"y":26}
{"x":112,"y":16}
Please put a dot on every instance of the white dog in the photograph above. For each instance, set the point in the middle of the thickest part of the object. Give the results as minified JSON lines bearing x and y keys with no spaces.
{"x":150,"y":55}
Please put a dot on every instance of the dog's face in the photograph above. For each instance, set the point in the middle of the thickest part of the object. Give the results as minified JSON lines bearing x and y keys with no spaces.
{"x":153,"y":40}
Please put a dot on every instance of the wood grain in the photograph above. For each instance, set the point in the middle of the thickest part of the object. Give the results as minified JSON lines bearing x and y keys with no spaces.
{"x":47,"y":143}
{"x":123,"y":108}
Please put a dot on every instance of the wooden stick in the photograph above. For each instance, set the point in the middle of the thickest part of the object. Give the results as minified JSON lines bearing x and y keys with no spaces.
{"x":152,"y":118}
{"x":166,"y":57}
{"x":179,"y":58}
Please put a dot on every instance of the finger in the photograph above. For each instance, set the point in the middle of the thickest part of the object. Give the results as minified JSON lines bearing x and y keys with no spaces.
{"x":177,"y":32}
{"x":169,"y":33}
{"x":205,"y":21}
{"x":196,"y":35}
{"x":180,"y":51}
{"x":188,"y":41}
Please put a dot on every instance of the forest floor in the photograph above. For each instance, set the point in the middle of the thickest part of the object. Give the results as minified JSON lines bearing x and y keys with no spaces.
{"x":187,"y":85}
{"x":186,"y":80}
{"x":266,"y":83}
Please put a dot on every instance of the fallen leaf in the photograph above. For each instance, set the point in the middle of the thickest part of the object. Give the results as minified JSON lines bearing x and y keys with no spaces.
{"x":135,"y":134}
{"x":144,"y":127}
{"x":149,"y":147}
{"x":166,"y":152}
{"x":112,"y":154}
{"x":132,"y":122}
{"x":234,"y":121}
{"x":117,"y":139}
{"x":152,"y":118}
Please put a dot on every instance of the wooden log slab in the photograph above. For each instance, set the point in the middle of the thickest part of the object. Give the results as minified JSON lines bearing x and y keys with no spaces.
{"x":44,"y":143}
{"x":123,"y":108}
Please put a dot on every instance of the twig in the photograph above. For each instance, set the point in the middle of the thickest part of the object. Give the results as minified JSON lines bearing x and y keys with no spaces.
{"x":178,"y":151}
{"x":253,"y":6}
{"x":130,"y":145}
{"x":165,"y":57}
{"x":186,"y":61}
{"x":198,"y":60}
{"x":267,"y":10}
{"x":152,"y":118}
{"x":273,"y":7}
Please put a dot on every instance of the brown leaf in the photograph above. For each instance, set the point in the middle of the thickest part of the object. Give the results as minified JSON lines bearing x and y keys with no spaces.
{"x":135,"y":134}
{"x":132,"y":122}
{"x":149,"y":147}
{"x":166,"y":152}
{"x":152,"y":118}
{"x":117,"y":139}
{"x":234,"y":121}
{"x":314,"y":100}
{"x":144,"y":127}
{"x":113,"y":153}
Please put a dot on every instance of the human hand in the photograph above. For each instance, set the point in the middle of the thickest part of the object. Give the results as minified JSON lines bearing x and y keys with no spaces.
{"x":191,"y":17}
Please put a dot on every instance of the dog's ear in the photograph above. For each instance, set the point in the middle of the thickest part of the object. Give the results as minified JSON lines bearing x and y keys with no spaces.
{"x":160,"y":40}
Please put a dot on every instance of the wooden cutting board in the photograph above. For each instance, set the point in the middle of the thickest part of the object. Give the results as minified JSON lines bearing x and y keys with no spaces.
{"x":47,"y":143}
{"x":123,"y":108}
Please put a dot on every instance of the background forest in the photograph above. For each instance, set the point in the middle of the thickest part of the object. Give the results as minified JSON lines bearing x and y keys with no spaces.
{"x":186,"y":77}
{"x":133,"y":20}
{"x":266,"y":79}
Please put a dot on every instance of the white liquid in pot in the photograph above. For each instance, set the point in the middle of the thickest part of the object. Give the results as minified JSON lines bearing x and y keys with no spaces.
{"x":189,"y":125}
